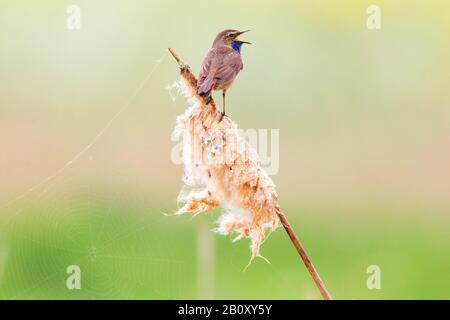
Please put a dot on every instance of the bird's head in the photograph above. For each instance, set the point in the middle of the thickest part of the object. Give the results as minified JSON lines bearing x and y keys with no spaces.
{"x":230,"y":38}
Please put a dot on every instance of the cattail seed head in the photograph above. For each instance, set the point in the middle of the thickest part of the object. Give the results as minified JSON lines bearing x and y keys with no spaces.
{"x":222,"y":169}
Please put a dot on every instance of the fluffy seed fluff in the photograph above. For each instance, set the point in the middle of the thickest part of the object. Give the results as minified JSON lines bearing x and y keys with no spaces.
{"x":222,"y":169}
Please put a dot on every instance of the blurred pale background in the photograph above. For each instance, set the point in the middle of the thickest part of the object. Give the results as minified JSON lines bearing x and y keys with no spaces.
{"x":364,"y":119}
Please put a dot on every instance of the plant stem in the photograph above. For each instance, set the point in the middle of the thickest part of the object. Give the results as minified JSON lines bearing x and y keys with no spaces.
{"x":174,"y":55}
{"x":309,"y":265}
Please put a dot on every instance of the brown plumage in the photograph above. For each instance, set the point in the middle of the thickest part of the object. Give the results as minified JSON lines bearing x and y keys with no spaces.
{"x":222,"y":64}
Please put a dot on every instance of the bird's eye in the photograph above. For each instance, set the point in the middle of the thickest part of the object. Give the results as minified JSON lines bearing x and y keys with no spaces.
{"x":231,"y":35}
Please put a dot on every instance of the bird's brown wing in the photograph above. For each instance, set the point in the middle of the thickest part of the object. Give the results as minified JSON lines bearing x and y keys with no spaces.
{"x":218,"y":70}
{"x":225,"y":70}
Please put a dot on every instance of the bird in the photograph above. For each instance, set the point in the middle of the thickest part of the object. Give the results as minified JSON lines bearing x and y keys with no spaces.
{"x":221,"y":65}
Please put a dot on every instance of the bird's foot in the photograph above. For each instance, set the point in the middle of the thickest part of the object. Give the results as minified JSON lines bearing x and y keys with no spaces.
{"x":222,"y":115}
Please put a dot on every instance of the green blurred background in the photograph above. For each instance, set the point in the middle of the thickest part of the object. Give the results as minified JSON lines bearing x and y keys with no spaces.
{"x":364,"y":119}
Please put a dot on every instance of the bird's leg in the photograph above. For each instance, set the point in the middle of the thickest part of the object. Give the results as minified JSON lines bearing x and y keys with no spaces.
{"x":223,"y":98}
{"x":223,"y":105}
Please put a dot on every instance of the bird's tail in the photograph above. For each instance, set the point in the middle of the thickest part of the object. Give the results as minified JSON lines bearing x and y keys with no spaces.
{"x":204,"y":89}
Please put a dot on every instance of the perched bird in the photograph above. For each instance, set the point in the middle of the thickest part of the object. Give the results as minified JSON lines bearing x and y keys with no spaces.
{"x":222,"y":64}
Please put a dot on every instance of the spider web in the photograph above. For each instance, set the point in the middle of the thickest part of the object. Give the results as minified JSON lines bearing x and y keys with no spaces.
{"x":110,"y":235}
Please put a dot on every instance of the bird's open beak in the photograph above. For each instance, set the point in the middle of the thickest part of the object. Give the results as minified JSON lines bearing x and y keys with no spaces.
{"x":241,"y":32}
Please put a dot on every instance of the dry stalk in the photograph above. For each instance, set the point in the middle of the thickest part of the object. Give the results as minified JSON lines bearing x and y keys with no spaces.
{"x":222,"y":168}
